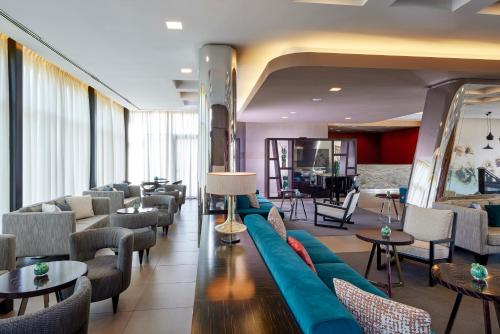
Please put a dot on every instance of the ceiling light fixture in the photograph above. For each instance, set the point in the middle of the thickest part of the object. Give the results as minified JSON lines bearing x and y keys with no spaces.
{"x":207,"y":59}
{"x":174,"y":25}
{"x":335,"y":89}
{"x":284,"y":117}
{"x":293,"y":112}
{"x":186,"y":70}
{"x":348,"y":118}
{"x":316,"y":99}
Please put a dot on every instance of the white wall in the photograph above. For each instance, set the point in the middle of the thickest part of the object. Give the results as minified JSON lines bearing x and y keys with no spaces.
{"x":256,"y":133}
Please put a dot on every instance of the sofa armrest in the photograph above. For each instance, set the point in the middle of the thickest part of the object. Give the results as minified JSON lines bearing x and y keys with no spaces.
{"x":472,"y":227}
{"x":135,"y":190}
{"x":8,"y":251}
{"x":40,"y":233}
{"x":101,"y":205}
{"x":115,"y":198}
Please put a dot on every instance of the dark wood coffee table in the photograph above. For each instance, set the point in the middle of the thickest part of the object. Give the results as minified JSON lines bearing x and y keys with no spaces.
{"x":132,"y":211}
{"x":397,"y":238}
{"x":457,"y":277}
{"x":22,"y":283}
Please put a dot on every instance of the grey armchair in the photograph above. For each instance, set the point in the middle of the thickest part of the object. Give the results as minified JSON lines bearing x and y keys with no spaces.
{"x":109,"y":274}
{"x":181,"y":195}
{"x":143,"y":226}
{"x":7,"y":263}
{"x":166,"y":208}
{"x":70,"y":316}
{"x":117,"y":199}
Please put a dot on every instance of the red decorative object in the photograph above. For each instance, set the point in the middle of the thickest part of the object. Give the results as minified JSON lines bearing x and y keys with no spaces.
{"x":301,"y":251}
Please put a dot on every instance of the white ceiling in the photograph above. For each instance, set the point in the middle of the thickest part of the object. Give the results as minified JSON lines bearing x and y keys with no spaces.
{"x":125,"y":42}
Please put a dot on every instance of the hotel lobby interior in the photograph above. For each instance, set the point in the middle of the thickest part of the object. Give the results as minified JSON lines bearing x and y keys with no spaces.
{"x":231,"y":166}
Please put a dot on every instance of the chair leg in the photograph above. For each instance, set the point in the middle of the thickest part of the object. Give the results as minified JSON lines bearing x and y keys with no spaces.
{"x":147,"y":252}
{"x":141,"y":254}
{"x":115,"y":303}
{"x":379,"y":258}
{"x":431,"y":279}
{"x":166,"y":230}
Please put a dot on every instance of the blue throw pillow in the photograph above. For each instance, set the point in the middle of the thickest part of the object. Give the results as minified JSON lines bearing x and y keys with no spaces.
{"x":493,"y":215}
{"x":242,"y":202}
{"x":107,"y":188}
{"x":122,"y":187}
{"x":63,"y":206}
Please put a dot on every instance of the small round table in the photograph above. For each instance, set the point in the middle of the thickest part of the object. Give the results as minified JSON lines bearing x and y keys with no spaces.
{"x":132,"y":211}
{"x":397,"y":238}
{"x":387,"y":199}
{"x":287,"y":194}
{"x":457,"y":277}
{"x":22,"y":283}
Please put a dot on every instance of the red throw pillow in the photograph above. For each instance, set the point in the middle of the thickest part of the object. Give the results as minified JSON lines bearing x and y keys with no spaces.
{"x":301,"y":251}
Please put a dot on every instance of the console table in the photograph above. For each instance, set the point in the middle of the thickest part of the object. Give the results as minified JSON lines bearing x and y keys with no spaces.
{"x":235,"y":293}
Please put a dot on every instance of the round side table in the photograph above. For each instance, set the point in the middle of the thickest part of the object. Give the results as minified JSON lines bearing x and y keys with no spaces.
{"x":22,"y":283}
{"x":457,"y":277}
{"x":397,"y":238}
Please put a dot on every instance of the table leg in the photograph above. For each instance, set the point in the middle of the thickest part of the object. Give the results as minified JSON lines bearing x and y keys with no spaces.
{"x":22,"y":307}
{"x":370,"y":260}
{"x":382,"y":210}
{"x":398,"y":265}
{"x":389,"y":273}
{"x":497,"y":311}
{"x":59,"y":296}
{"x":486,"y":316}
{"x":303,"y":207}
{"x":453,"y":314}
{"x":46,"y":300}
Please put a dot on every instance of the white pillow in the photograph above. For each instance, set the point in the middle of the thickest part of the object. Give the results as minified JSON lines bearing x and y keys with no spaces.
{"x":254,"y":202}
{"x":81,"y":206}
{"x":50,"y":208}
{"x":275,"y":220}
{"x":377,"y":315}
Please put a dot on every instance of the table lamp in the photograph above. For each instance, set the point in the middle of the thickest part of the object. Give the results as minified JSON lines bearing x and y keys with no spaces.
{"x":231,"y":184}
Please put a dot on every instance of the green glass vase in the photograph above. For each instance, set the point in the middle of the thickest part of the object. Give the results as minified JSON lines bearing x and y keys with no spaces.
{"x":478,"y":272}
{"x":41,"y":269}
{"x":385,"y":231}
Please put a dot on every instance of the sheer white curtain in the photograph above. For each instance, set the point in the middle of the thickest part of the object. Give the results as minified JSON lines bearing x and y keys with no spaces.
{"x":56,"y":131}
{"x":110,"y":141}
{"x":163,"y":144}
{"x":4,"y":127}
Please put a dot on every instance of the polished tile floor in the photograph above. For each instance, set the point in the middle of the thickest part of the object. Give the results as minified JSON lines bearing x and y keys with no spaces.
{"x":161,"y":294}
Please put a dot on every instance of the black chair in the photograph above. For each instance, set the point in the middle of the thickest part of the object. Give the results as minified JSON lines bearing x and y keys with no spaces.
{"x":339,"y":213}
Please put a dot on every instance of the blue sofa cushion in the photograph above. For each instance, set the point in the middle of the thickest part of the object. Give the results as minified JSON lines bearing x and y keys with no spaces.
{"x":327,"y":271}
{"x":263,"y":210}
{"x":315,"y":307}
{"x":318,"y":252}
{"x":242,"y":202}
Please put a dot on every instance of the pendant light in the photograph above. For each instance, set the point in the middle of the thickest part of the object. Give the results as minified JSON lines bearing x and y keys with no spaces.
{"x":489,"y":136}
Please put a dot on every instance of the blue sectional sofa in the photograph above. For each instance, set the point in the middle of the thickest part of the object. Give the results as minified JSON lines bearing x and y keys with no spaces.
{"x":243,"y":207}
{"x":310,"y":296}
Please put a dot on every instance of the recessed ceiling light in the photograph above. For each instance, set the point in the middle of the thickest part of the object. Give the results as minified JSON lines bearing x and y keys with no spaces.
{"x":207,"y":59}
{"x":284,"y":117}
{"x":293,"y":112}
{"x":347,"y":118}
{"x":316,"y":99}
{"x":174,"y":25}
{"x":335,"y":89}
{"x":186,"y":70}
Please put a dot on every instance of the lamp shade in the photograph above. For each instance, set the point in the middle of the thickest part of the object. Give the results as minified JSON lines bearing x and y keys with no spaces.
{"x":231,"y":183}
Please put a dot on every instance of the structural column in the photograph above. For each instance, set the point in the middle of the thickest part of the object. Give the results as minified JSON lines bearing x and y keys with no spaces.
{"x":217,"y":117}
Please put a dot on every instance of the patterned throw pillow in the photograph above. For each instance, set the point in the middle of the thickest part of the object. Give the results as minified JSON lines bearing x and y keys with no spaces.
{"x":276,"y":222}
{"x":301,"y":251}
{"x":50,"y":208}
{"x":254,"y":202}
{"x":377,"y":315}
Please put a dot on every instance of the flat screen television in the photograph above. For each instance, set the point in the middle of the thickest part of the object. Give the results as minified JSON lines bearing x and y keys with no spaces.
{"x":313,"y":157}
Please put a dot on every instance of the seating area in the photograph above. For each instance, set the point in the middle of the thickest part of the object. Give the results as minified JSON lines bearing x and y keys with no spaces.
{"x":250,"y":167}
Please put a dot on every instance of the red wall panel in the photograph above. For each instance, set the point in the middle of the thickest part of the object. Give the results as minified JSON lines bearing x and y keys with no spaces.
{"x":395,"y":147}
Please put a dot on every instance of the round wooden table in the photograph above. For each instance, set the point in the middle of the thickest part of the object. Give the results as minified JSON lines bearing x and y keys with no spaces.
{"x":388,"y":199}
{"x":397,"y":238}
{"x":457,"y":277}
{"x":132,"y":211}
{"x":22,"y":283}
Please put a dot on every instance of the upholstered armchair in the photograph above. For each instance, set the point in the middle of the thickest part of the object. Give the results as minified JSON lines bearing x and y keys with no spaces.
{"x":434,"y":232}
{"x":143,"y":226}
{"x":166,"y":208}
{"x":109,"y":274}
{"x":7,"y":263}
{"x":117,"y":199}
{"x":70,"y":316}
{"x":340,"y":213}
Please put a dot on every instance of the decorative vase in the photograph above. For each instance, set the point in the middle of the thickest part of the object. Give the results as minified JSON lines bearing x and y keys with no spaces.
{"x":385,"y":231}
{"x":41,"y":269}
{"x":478,"y":272}
{"x":136,"y":206}
{"x":285,"y":182}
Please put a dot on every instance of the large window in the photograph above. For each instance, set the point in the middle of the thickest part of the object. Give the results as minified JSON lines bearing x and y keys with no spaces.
{"x":56,"y":131}
{"x":110,"y":141}
{"x":4,"y":127}
{"x":163,"y":144}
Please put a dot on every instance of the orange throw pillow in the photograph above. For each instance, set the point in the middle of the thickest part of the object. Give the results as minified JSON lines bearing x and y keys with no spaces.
{"x":301,"y":251}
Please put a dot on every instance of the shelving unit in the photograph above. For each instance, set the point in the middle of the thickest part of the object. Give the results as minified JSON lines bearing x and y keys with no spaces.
{"x":344,"y":154}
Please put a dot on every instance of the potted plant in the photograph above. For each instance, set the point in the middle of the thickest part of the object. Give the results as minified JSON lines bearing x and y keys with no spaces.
{"x":283,"y":156}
